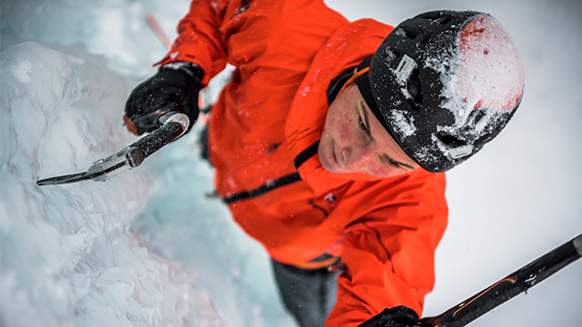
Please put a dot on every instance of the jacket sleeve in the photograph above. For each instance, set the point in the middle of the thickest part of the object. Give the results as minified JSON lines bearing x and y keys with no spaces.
{"x":389,"y":256}
{"x":200,"y":40}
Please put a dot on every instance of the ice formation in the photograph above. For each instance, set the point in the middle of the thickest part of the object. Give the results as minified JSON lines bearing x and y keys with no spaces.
{"x":68,"y":257}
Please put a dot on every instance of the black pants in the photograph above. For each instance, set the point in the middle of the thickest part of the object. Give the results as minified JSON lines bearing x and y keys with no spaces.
{"x":308,"y":294}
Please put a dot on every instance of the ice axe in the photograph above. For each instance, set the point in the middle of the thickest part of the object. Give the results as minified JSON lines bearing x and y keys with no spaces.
{"x":503,"y":290}
{"x":169,"y":125}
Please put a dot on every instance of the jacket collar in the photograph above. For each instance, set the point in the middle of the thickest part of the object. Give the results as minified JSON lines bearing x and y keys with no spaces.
{"x":346,"y":48}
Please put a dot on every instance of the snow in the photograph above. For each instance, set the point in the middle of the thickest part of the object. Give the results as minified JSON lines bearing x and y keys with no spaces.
{"x":405,"y":125}
{"x":482,"y":78}
{"x":21,"y":70}
{"x":149,"y":248}
{"x":486,"y":72}
{"x":492,"y":65}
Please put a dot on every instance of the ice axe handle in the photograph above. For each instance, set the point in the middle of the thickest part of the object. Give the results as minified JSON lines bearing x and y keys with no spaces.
{"x":508,"y":287}
{"x":173,"y":125}
{"x":505,"y":289}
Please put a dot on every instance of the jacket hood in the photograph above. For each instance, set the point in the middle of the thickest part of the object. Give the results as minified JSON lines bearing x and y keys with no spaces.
{"x":346,"y":48}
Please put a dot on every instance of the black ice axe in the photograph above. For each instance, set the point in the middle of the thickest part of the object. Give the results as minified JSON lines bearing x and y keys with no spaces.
{"x":503,"y":290}
{"x":167,"y":125}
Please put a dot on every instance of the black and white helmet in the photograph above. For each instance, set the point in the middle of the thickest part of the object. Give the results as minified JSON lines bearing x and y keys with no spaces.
{"x":443,"y":84}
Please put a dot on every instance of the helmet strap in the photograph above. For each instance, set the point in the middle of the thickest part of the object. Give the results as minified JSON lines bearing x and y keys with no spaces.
{"x":338,"y":83}
{"x":363,"y":82}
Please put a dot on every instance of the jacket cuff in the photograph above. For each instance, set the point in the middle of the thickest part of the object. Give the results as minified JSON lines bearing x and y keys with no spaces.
{"x":191,"y":69}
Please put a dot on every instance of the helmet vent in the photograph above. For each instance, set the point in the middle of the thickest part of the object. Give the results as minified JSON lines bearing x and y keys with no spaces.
{"x":392,"y":58}
{"x":413,"y":87}
{"x":443,"y":20}
{"x":449,"y":140}
{"x":422,"y":38}
{"x":415,"y":34}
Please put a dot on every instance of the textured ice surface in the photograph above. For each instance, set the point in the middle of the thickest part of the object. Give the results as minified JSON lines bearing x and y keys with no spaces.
{"x":68,"y":258}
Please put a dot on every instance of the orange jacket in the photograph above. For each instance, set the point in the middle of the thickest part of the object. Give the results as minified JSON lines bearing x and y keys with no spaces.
{"x":263,"y":137}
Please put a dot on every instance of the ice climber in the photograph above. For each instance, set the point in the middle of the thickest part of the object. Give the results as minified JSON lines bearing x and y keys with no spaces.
{"x":331,"y":139}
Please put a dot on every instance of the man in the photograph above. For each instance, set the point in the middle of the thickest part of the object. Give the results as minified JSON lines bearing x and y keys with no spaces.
{"x":330,"y":141}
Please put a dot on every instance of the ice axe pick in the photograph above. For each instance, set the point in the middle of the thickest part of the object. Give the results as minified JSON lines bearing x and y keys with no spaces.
{"x":170,"y":126}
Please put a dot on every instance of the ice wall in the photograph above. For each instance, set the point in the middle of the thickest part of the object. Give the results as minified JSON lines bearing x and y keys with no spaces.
{"x":68,"y":257}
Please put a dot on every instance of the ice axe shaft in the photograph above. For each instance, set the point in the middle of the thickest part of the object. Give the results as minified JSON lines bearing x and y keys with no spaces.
{"x":500,"y":292}
{"x":172,"y":126}
{"x":508,"y":287}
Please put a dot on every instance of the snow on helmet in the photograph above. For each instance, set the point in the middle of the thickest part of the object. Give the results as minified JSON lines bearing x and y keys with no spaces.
{"x":443,"y":84}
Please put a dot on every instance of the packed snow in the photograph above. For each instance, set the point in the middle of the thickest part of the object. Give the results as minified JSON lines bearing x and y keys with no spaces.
{"x":404,"y":124}
{"x":492,"y":65}
{"x":152,"y":247}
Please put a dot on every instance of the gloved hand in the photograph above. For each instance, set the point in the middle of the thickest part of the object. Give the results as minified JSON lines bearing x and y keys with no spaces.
{"x":174,"y":87}
{"x":400,"y":316}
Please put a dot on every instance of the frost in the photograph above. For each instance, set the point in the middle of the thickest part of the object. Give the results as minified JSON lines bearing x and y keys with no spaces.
{"x":482,"y":78}
{"x":21,"y":70}
{"x":390,"y":56}
{"x":491,"y":74}
{"x":486,"y":71}
{"x":402,"y":123}
{"x":399,"y":32}
{"x":424,"y":153}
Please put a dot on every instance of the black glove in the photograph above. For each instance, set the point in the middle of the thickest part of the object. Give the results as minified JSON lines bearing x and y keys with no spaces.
{"x":174,"y":87}
{"x":396,"y":317}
